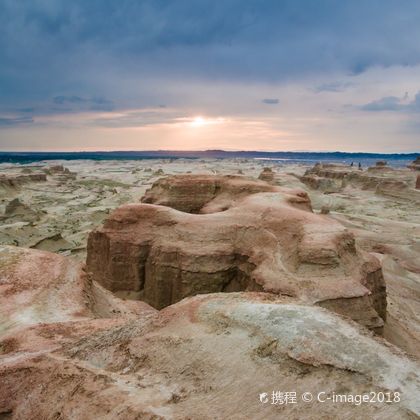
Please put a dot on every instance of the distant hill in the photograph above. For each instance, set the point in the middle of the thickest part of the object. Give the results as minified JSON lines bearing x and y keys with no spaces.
{"x":28,"y":157}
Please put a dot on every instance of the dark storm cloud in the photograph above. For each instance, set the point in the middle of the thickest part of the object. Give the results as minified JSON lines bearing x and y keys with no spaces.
{"x":393,"y":103}
{"x":15,"y":121}
{"x":79,"y":48}
{"x":333,"y":87}
{"x":77,"y":103}
{"x":139,"y":118}
{"x":388,"y":103}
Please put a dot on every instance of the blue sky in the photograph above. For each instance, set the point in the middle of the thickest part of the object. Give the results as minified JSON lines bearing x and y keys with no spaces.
{"x":260,"y":75}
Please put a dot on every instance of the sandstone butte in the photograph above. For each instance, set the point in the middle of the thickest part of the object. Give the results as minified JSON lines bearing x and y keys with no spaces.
{"x":71,"y":349}
{"x":208,"y":234}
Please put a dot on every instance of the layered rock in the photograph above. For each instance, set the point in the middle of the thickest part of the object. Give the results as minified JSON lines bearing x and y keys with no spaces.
{"x":320,"y":183}
{"x":249,"y":235}
{"x":326,"y":177}
{"x":380,"y":178}
{"x":267,"y":175}
{"x":60,"y":172}
{"x":69,"y":349}
{"x":204,"y":193}
{"x":38,"y":287}
{"x":16,"y":209}
{"x":331,"y":170}
{"x":15,"y":181}
{"x":415,"y":164}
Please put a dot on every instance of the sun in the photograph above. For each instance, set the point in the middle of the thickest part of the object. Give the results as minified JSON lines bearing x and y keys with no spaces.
{"x":198,"y":121}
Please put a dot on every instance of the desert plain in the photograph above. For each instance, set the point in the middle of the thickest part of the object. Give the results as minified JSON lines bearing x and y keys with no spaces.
{"x":198,"y":288}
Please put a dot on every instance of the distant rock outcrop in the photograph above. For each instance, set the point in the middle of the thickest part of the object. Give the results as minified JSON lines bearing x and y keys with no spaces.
{"x":16,"y":208}
{"x":320,"y":183}
{"x":380,"y":178}
{"x":60,"y":172}
{"x":246,"y":235}
{"x":15,"y":181}
{"x":415,"y":164}
{"x":381,"y":163}
{"x":267,"y":175}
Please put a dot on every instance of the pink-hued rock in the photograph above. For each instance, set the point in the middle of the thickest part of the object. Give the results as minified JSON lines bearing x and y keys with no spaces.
{"x":204,"y":193}
{"x":41,"y":287}
{"x":70,"y":349}
{"x":249,"y":235}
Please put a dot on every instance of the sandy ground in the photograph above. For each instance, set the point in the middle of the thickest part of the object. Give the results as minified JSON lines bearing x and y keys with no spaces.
{"x":73,"y":207}
{"x":58,"y":214}
{"x":71,"y":349}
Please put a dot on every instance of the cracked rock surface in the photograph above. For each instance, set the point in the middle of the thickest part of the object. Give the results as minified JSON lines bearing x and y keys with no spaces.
{"x":78,"y":352}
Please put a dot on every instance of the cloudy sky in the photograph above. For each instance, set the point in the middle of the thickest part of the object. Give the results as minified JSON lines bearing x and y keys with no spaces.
{"x":197,"y":74}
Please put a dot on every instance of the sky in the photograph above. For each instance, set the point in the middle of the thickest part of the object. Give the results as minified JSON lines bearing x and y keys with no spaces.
{"x":275,"y":75}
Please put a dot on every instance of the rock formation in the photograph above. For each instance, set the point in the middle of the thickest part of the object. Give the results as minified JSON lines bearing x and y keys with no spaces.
{"x":325,"y":210}
{"x":15,"y":181}
{"x":70,"y":349}
{"x":331,"y":170}
{"x":203,"y":193}
{"x":13,"y":206}
{"x":267,"y":175}
{"x":415,"y":164}
{"x":381,"y":163}
{"x":380,"y":167}
{"x":60,"y":172}
{"x":56,"y":169}
{"x":320,"y":183}
{"x":326,"y":177}
{"x":245,"y":235}
{"x":53,"y":243}
{"x":380,"y":178}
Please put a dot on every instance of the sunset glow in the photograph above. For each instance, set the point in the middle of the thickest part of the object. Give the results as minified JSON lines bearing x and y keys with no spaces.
{"x":197,"y":70}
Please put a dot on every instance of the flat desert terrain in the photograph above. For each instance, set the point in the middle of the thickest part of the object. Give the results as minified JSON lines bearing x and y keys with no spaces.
{"x":190,"y":288}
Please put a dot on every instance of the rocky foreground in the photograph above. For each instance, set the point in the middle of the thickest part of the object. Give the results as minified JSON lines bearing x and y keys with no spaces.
{"x":211,"y":293}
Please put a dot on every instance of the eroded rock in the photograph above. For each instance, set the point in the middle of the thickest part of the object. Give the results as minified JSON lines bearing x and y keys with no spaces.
{"x":70,"y":349}
{"x":249,"y":235}
{"x":267,"y":175}
{"x":415,"y":165}
{"x":18,"y":212}
{"x":380,"y":178}
{"x":53,"y":243}
{"x":15,"y":181}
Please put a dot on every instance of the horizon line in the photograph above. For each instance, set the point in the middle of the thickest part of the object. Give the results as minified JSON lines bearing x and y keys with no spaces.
{"x":202,"y":151}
